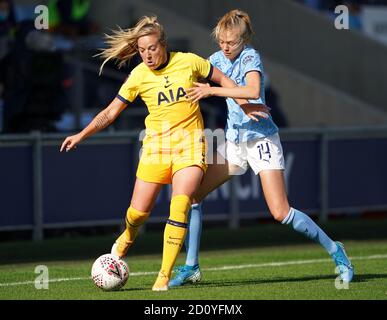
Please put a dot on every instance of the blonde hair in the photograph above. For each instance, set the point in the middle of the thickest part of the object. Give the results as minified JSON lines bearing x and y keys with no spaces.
{"x":235,"y":19}
{"x":122,"y":45}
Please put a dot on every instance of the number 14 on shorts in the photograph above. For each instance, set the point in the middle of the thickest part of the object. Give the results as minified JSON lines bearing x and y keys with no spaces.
{"x":264,"y":151}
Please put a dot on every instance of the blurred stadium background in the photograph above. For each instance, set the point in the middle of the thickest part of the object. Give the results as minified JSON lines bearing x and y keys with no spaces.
{"x":327,"y":89}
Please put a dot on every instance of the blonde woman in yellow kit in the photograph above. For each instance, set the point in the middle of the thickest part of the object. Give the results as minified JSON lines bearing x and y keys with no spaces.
{"x":174,"y":146}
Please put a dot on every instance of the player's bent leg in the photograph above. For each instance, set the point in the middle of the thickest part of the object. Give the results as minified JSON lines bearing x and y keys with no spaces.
{"x":134,"y":219}
{"x":143,"y":199}
{"x":305,"y":225}
{"x":273,"y":185}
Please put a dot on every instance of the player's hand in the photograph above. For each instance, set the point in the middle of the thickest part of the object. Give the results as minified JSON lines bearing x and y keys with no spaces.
{"x":199,"y":91}
{"x":70,"y":142}
{"x":255,"y":111}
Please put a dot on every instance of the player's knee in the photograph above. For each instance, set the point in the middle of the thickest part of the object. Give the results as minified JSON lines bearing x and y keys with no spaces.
{"x":279,"y":213}
{"x":136,"y":217}
{"x":180,"y":205}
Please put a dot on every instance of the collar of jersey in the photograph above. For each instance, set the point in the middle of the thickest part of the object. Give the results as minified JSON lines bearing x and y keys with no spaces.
{"x":162,"y":66}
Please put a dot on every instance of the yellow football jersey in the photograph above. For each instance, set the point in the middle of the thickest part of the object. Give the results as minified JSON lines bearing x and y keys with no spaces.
{"x":163,"y":91}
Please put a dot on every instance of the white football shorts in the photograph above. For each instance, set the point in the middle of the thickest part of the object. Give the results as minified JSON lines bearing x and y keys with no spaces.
{"x":261,"y":154}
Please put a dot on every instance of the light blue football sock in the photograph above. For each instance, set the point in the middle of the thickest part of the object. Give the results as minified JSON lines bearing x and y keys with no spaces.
{"x":192,"y":240}
{"x":305,"y":225}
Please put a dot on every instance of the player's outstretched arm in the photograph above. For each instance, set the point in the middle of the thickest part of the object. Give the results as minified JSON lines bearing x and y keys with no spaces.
{"x":100,"y":122}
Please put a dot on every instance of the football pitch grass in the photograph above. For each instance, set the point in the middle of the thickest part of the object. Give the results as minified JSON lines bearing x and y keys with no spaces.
{"x":259,"y":262}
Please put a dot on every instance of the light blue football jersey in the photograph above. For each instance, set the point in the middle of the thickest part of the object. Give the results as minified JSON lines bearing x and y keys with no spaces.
{"x":240,"y":128}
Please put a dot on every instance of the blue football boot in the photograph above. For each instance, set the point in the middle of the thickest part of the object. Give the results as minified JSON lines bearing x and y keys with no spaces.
{"x":346,"y":269}
{"x":186,"y":274}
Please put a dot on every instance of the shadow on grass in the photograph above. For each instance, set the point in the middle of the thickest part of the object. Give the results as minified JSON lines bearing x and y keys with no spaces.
{"x":367,"y":277}
{"x":132,"y":289}
{"x":246,"y":282}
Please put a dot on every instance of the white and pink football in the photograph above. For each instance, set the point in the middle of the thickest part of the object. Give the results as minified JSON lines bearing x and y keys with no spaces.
{"x":109,"y":272}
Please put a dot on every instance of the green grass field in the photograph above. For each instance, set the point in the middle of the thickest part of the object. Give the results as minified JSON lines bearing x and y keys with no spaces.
{"x":260,"y":262}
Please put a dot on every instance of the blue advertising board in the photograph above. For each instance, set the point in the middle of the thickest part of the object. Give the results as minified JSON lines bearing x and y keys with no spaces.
{"x":95,"y":182}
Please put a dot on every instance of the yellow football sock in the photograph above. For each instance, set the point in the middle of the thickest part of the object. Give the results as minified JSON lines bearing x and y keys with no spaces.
{"x":134,"y":219}
{"x":175,"y":231}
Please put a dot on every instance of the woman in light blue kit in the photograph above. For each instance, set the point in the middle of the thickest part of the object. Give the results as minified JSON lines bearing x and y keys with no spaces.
{"x":248,"y":142}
